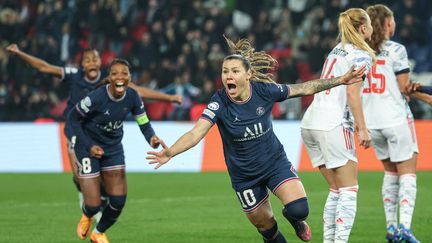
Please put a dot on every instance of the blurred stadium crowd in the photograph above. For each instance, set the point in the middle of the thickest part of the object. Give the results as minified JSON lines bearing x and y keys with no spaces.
{"x":177,"y":46}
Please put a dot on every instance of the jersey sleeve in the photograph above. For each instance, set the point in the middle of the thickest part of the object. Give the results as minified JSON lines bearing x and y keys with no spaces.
{"x":213,"y":110}
{"x":273,"y":91}
{"x":400,"y":59}
{"x":68,"y":72}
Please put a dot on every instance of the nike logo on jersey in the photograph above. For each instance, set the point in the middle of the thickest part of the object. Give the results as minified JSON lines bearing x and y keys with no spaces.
{"x":107,"y":113}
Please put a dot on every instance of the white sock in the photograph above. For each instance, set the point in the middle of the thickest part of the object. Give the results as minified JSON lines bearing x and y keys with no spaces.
{"x":407,"y":197}
{"x":390,"y":191}
{"x":345,"y":213}
{"x":329,"y":216}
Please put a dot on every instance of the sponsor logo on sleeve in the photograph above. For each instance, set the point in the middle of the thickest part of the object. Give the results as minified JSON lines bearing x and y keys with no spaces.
{"x":213,"y":106}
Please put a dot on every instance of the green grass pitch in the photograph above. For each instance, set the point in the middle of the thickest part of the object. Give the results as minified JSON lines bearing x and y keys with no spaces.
{"x":183,"y":207}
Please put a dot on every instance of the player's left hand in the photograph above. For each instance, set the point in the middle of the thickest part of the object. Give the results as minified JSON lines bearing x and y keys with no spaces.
{"x":177,"y":99}
{"x":161,"y":157}
{"x":354,"y":76}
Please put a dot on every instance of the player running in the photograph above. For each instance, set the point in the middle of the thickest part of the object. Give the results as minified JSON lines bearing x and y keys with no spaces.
{"x":97,"y":131}
{"x":255,"y":158}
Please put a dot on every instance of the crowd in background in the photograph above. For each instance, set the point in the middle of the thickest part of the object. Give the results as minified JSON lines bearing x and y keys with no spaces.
{"x":177,"y":46}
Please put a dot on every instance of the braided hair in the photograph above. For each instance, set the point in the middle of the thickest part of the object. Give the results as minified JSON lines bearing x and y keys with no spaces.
{"x":259,"y":63}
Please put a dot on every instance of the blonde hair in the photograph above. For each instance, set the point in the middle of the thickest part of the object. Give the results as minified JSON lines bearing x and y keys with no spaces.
{"x":349,"y":22}
{"x":378,"y":14}
{"x":259,"y":63}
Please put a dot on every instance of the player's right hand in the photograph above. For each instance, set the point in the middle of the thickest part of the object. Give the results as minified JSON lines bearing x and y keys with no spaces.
{"x":161,"y":157}
{"x":12,"y":48}
{"x":96,"y":151}
{"x":354,"y":76}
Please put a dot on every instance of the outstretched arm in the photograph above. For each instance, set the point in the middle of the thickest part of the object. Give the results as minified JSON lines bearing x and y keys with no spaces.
{"x":185,"y":142}
{"x":155,"y":95}
{"x":318,"y":85}
{"x":35,"y":62}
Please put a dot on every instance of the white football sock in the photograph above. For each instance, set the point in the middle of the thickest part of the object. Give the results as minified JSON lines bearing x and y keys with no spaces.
{"x":390,"y":191}
{"x":345,"y":213}
{"x":330,"y":215}
{"x":407,"y":197}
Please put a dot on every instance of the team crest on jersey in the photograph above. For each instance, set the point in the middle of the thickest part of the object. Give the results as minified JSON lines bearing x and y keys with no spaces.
{"x":260,"y":111}
{"x":213,"y":106}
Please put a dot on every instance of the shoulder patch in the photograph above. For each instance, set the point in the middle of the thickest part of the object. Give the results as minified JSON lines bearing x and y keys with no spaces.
{"x":213,"y":106}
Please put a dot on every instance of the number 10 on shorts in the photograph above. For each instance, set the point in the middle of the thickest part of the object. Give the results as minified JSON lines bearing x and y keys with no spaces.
{"x":247,"y":198}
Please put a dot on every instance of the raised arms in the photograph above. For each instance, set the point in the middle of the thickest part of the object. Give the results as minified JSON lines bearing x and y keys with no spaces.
{"x":35,"y":62}
{"x":155,"y":95}
{"x":318,"y":85}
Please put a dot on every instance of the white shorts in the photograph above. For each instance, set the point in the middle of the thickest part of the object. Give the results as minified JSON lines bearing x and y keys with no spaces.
{"x":395,"y":143}
{"x":332,"y":148}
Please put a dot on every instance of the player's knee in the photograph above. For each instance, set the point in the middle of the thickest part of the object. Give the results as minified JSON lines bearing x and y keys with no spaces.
{"x":89,"y":211}
{"x":117,"y":202}
{"x":297,"y":210}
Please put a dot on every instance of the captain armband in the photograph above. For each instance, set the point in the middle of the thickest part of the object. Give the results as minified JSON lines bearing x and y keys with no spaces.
{"x":142,"y":119}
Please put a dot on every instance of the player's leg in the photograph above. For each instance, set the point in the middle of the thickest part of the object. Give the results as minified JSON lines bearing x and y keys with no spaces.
{"x":390,"y":186}
{"x":346,"y":180}
{"x":329,"y":214}
{"x":255,"y":204}
{"x":315,"y":141}
{"x":390,"y":191}
{"x":114,"y":177}
{"x":404,"y":153}
{"x":89,"y":181}
{"x":339,"y":153}
{"x":263,"y":219}
{"x":407,"y":197}
{"x":296,"y":208}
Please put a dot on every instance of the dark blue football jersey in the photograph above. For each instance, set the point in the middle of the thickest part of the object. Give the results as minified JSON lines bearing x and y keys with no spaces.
{"x":103,"y":115}
{"x":251,"y":148}
{"x":79,"y":85}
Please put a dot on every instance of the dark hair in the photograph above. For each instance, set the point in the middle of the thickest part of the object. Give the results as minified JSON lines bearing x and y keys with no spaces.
{"x":85,"y":51}
{"x":378,"y":14}
{"x":118,"y":61}
{"x":260,"y":63}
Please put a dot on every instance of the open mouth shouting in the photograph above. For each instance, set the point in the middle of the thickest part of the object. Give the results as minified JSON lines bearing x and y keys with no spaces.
{"x":120,"y":87}
{"x":232,"y":88}
{"x":92,"y":72}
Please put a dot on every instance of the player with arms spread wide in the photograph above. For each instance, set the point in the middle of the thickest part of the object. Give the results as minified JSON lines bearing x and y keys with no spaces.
{"x":255,"y":158}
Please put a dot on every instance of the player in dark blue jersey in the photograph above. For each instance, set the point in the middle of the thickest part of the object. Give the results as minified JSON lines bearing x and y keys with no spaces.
{"x":255,"y":158}
{"x":97,"y":126}
{"x":81,"y":81}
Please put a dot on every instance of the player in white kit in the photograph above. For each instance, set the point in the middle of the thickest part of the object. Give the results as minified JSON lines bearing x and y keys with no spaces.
{"x":328,"y":125}
{"x":391,"y":123}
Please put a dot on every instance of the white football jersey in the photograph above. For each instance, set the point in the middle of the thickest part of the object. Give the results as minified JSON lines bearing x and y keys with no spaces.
{"x":383,"y":103}
{"x":329,"y":108}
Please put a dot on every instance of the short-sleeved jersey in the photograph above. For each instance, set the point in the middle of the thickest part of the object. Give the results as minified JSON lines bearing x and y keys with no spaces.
{"x":251,"y":148}
{"x":79,"y":85}
{"x":104,"y":115}
{"x":383,"y":103}
{"x":329,"y":108}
